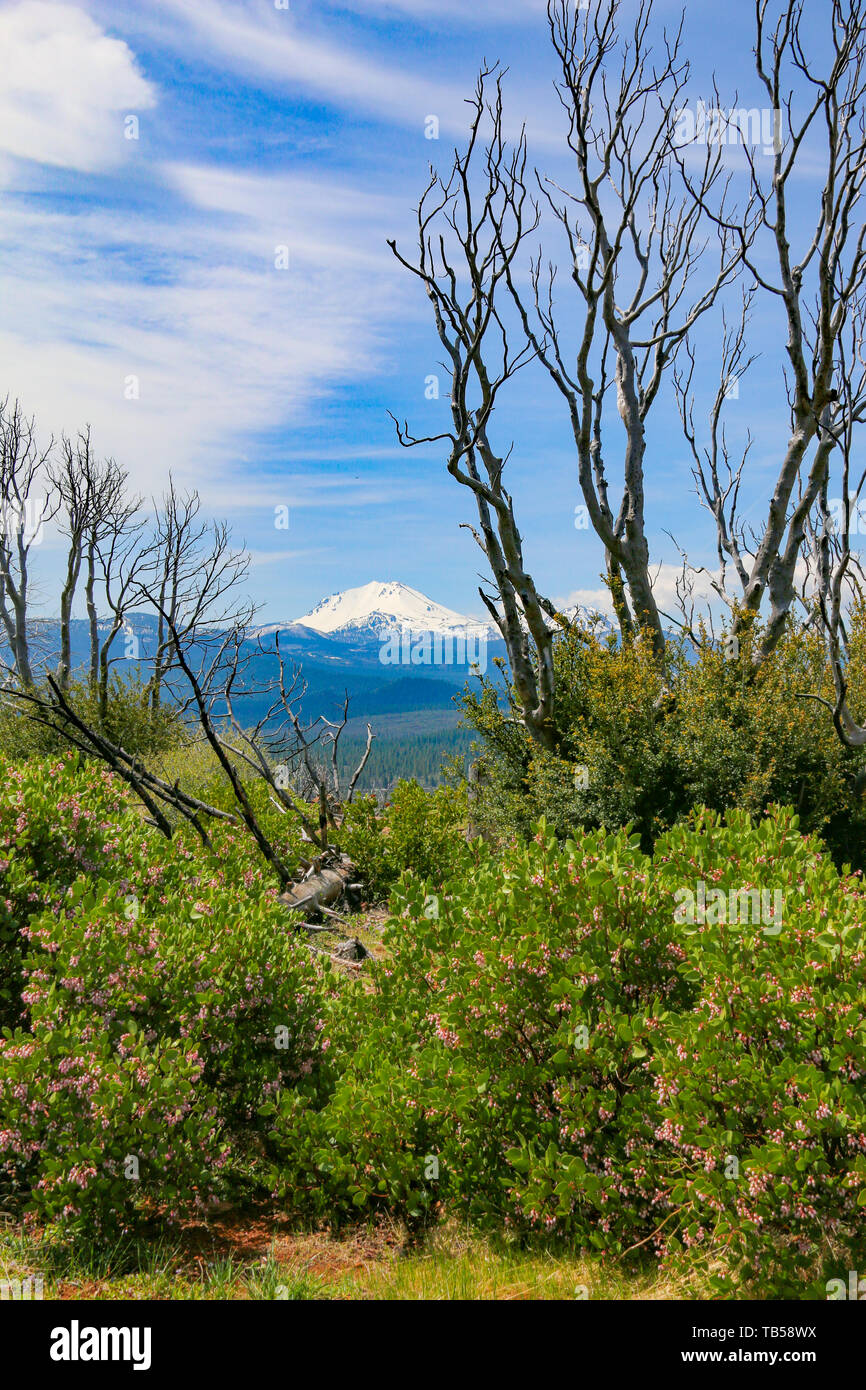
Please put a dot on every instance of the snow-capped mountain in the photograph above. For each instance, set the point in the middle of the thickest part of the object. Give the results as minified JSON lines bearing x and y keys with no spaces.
{"x":590,"y":618}
{"x":383,"y":606}
{"x":388,"y":605}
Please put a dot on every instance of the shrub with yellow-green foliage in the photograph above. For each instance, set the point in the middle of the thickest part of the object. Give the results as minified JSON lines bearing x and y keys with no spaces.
{"x":125,"y":717}
{"x":644,"y":745}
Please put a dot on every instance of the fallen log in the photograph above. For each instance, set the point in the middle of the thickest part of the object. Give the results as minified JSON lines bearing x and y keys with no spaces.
{"x":320,"y":889}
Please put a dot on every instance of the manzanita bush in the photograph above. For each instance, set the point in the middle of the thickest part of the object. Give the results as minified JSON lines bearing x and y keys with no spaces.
{"x":89,"y":1130}
{"x":556,"y":1049}
{"x":417,"y":831}
{"x":53,"y":827}
{"x":575,"y":1041}
{"x":159,"y":995}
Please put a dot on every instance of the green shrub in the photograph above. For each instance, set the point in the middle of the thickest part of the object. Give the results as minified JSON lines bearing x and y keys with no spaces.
{"x":576,"y":1041}
{"x":126,"y":718}
{"x":582,"y":1064}
{"x":88,"y":1129}
{"x":123,"y":945}
{"x":55,"y":823}
{"x":418,"y":831}
{"x":183,"y":961}
{"x":640,"y":746}
{"x":761,"y":1082}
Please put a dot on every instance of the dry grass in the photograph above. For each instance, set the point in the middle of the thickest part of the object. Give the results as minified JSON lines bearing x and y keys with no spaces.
{"x":238,"y":1258}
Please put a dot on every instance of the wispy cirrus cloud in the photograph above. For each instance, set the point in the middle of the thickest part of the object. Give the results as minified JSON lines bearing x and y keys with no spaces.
{"x":180,"y":361}
{"x":307,"y":59}
{"x":155,"y":260}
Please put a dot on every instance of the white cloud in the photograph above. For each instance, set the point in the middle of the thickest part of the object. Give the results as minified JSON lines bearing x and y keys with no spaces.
{"x":594,"y":600}
{"x":259,"y":39}
{"x":664,"y":578}
{"x":224,"y":346}
{"x":322,"y":221}
{"x":66,"y":88}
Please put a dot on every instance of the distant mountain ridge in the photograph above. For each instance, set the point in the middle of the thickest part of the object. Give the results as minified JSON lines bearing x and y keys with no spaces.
{"x":345,"y":644}
{"x":344,"y":647}
{"x":346,"y":637}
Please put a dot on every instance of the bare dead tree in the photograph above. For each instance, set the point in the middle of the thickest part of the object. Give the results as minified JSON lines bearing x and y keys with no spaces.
{"x":215,"y":671}
{"x":267,"y":747}
{"x":828,"y":558}
{"x":281,"y":744}
{"x":471,"y":227}
{"x":196,"y":653}
{"x":52,"y":708}
{"x":120,"y":559}
{"x":99,"y":521}
{"x":326,"y":778}
{"x":638,"y":260}
{"x":111,"y":560}
{"x":208,"y":671}
{"x":362,"y":762}
{"x":717,"y":473}
{"x":637,"y":243}
{"x":190,"y":575}
{"x":72,"y":477}
{"x":819,"y":116}
{"x":23,"y":470}
{"x":191,"y":578}
{"x":836,"y":571}
{"x":204,"y":684}
{"x":638,"y":227}
{"x":97,"y":518}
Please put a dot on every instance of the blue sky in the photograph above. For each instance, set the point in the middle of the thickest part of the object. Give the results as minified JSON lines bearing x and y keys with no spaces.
{"x":153,"y":258}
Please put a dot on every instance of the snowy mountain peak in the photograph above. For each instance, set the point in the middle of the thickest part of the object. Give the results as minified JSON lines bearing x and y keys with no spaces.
{"x":591,"y":619}
{"x":387,"y":605}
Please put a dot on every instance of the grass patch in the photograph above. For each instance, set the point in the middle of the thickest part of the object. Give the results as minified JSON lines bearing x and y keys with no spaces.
{"x":235,"y":1260}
